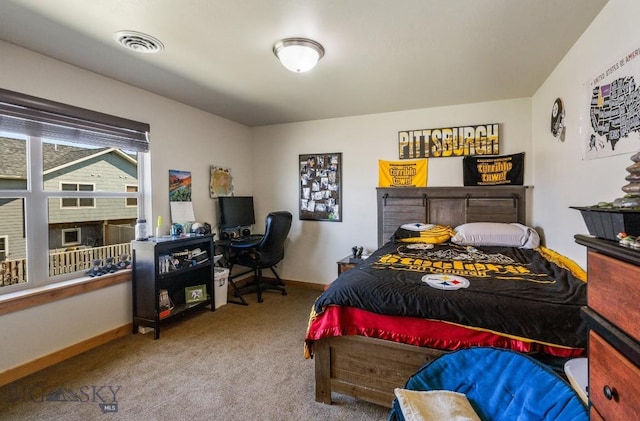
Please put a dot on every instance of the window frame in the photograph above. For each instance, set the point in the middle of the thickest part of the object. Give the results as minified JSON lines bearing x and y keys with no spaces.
{"x":4,"y":251}
{"x":37,"y":120}
{"x":78,"y":204}
{"x":36,"y":213}
{"x":127,"y":199}
{"x":78,"y":232}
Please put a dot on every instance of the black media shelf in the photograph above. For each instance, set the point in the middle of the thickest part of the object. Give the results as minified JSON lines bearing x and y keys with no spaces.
{"x":151,"y":275}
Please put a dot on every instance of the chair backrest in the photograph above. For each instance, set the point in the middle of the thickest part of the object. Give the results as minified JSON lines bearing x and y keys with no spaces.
{"x":271,"y":248}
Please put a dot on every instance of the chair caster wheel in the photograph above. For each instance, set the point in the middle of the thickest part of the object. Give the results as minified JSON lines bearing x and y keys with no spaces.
{"x":284,"y":292}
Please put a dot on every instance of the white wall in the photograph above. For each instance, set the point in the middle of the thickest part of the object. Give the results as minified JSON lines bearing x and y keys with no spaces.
{"x":562,"y":178}
{"x":264,"y":163}
{"x":314,"y":246}
{"x":182,"y":138}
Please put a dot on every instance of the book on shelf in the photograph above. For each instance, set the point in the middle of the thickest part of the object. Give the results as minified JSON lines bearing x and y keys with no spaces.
{"x":164,"y":313}
{"x":199,"y":256}
{"x":165,"y":305}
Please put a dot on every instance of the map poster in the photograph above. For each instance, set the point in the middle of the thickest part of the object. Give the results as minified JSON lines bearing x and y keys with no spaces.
{"x":221,"y":182}
{"x":612,"y":125}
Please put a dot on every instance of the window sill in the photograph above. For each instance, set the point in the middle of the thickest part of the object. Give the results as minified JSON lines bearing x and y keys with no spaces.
{"x":21,"y":300}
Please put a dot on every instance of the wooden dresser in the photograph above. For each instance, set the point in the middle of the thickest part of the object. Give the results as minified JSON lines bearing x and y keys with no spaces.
{"x":613,"y":318}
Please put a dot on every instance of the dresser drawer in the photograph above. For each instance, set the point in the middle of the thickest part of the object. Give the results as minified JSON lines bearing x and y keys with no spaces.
{"x":614,"y":291}
{"x":610,"y":370}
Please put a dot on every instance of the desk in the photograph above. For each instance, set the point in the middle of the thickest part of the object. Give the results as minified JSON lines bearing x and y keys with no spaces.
{"x":227,"y":246}
{"x":247,"y":241}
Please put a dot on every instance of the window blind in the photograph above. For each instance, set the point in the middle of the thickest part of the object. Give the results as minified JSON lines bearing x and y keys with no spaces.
{"x":39,"y":117}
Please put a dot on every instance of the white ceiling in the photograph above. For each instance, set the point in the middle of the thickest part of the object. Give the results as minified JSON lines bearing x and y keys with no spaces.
{"x":381,"y":55}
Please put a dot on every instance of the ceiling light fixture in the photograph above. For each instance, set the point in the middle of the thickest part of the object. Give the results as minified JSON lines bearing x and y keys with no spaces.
{"x":298,"y":54}
{"x":138,"y":42}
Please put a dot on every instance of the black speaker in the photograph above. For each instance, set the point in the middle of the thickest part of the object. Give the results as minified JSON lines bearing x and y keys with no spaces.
{"x":229,"y":234}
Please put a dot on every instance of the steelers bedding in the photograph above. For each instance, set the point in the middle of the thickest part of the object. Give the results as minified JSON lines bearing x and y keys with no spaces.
{"x":452,"y":296}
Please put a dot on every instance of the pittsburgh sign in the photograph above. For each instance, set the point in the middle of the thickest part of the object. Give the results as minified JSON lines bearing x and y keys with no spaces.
{"x":449,"y":142}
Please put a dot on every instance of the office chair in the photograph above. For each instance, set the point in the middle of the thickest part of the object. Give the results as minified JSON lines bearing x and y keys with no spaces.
{"x":266,"y":253}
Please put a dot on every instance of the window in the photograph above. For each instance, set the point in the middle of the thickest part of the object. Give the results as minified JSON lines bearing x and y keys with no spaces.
{"x":70,"y":189}
{"x":71,"y":237}
{"x":131,"y":201}
{"x":76,"y":202}
{"x":3,"y":247}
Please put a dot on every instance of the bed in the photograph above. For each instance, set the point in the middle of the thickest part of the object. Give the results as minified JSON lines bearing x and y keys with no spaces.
{"x":378,"y":323}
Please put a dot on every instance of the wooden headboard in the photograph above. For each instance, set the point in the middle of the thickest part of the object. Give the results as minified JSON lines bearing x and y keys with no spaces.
{"x":450,"y":206}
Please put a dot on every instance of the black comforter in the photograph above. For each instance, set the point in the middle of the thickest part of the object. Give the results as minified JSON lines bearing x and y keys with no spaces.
{"x":511,"y":291}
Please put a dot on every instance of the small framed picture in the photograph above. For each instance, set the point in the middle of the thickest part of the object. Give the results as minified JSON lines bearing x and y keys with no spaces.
{"x":195,"y":294}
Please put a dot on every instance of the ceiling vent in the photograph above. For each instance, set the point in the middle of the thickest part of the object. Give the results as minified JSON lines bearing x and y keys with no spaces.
{"x":139,"y":42}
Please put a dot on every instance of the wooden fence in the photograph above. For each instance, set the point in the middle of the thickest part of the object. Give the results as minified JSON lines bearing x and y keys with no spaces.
{"x":14,"y":271}
{"x":79,"y":260}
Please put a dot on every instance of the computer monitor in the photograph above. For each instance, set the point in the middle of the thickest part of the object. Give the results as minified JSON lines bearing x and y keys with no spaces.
{"x":236,"y":211}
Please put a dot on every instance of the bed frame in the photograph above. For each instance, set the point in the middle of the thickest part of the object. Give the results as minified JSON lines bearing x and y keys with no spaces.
{"x":368,"y":368}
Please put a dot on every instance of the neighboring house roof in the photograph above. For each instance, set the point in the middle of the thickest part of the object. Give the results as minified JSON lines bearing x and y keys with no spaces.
{"x":15,"y":166}
{"x":55,"y":156}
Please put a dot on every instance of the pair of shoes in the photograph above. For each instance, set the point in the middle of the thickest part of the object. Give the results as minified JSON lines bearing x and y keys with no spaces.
{"x":96,"y":270}
{"x":124,"y":261}
{"x":110,"y":267}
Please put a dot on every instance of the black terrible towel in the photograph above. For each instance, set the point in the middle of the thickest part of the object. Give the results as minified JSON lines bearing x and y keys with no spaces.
{"x":493,"y":170}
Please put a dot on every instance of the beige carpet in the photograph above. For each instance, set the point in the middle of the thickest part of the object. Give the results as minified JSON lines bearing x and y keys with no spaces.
{"x":235,"y":363}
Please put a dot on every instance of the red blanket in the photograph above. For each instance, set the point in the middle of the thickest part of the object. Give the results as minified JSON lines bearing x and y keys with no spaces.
{"x":340,"y":321}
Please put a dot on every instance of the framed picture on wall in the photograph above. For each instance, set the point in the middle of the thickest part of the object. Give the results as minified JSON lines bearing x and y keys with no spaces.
{"x":220,"y":182}
{"x":321,"y":187}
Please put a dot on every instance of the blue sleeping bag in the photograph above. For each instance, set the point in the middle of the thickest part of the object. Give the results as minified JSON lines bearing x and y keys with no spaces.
{"x":501,"y":385}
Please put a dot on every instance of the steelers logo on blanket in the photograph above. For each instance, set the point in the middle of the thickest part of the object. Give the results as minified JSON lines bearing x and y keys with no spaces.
{"x":445,"y":282}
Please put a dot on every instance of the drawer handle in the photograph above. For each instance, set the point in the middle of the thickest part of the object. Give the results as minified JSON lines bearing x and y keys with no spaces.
{"x":610,"y":393}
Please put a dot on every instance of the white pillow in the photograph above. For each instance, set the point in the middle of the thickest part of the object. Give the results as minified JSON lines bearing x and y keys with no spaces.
{"x":496,"y":234}
{"x":435,"y":405}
